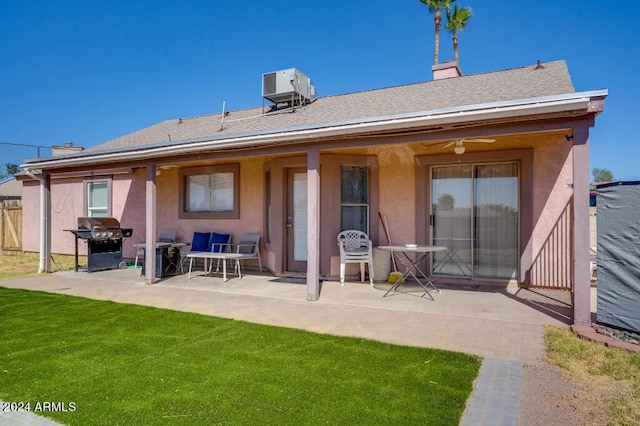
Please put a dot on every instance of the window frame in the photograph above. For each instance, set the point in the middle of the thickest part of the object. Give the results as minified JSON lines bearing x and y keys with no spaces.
{"x":185,"y":173}
{"x":367,"y":205}
{"x":87,"y":185}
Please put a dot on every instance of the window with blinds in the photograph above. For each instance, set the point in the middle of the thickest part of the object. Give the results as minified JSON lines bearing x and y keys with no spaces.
{"x":210,"y":192}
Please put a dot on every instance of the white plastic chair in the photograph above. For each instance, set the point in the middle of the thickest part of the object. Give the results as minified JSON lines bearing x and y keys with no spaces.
{"x":355,"y":247}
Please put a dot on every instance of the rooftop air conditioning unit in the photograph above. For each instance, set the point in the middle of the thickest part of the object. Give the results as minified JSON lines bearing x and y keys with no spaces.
{"x":288,"y":86}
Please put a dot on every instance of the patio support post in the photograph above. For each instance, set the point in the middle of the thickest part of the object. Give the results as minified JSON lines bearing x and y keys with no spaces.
{"x":313,"y":224}
{"x":150,"y":229}
{"x":581,"y":279}
{"x":45,"y":223}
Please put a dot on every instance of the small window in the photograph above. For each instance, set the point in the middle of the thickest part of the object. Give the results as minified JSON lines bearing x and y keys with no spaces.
{"x":210,"y":192}
{"x":98,"y":199}
{"x":354,"y":198}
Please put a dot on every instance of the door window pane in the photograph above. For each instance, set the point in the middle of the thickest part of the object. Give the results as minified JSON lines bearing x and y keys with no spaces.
{"x":300,"y":216}
{"x":267,"y":196}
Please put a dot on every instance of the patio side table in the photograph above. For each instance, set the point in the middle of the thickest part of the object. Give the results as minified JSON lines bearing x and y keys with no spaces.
{"x":412,"y":264}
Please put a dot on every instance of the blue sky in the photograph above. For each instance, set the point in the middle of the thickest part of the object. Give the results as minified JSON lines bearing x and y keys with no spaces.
{"x":88,"y":72}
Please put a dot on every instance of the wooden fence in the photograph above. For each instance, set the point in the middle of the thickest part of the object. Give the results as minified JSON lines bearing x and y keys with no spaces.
{"x":11,"y":226}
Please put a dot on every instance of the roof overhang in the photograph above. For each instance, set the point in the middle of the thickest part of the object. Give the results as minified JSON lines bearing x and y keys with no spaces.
{"x":571,"y":104}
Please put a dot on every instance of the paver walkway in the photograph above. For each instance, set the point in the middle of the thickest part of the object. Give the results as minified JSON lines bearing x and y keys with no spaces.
{"x":496,"y":395}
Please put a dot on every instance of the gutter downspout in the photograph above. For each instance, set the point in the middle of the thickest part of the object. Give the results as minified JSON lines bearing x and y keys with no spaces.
{"x":43,"y":266}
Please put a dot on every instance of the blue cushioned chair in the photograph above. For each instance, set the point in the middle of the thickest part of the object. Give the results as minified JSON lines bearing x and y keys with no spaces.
{"x":200,"y":242}
{"x":219,"y":242}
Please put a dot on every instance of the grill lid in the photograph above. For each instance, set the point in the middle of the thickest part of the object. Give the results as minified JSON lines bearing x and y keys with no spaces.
{"x":101,"y":227}
{"x":91,"y":223}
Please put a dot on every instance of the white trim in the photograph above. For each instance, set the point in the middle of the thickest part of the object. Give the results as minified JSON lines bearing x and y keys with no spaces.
{"x":489,"y":111}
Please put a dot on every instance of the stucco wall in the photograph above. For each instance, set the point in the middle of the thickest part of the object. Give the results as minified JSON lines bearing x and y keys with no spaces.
{"x":397,"y":194}
{"x":31,"y":216}
{"x":66,"y":206}
{"x":396,"y":197}
{"x":551,"y":262}
{"x":545,"y":253}
{"x":128,"y":206}
{"x":251,"y":206}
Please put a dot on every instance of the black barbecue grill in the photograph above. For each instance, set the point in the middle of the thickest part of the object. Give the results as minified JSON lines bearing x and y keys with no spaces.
{"x":104,"y":238}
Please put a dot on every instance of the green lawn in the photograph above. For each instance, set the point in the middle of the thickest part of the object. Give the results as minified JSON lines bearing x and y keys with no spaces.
{"x":127,"y":364}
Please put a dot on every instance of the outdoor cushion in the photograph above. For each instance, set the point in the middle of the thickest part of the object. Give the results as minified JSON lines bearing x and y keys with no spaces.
{"x":217,"y":241}
{"x":200,"y":241}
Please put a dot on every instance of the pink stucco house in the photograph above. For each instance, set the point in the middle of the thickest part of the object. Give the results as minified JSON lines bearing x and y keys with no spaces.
{"x":513,"y":209}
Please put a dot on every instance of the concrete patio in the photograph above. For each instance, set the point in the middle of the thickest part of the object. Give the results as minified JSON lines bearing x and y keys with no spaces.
{"x":503,"y":323}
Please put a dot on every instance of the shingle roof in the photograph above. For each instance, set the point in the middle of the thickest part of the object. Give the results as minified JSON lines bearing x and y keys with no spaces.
{"x":512,"y":84}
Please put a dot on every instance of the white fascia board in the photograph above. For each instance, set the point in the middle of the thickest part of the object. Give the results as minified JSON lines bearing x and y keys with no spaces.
{"x":482,"y":112}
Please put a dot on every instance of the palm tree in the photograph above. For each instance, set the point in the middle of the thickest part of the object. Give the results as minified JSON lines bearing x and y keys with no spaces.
{"x":457,"y":19}
{"x":436,"y":7}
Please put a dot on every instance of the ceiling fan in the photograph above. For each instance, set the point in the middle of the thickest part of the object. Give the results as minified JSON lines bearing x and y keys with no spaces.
{"x":459,"y":144}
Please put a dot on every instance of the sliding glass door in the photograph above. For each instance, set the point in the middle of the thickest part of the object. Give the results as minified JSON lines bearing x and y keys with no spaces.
{"x":496,"y":220}
{"x":451,"y":219}
{"x":474,"y":213}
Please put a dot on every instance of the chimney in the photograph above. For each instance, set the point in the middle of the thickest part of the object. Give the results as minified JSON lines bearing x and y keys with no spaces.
{"x":446,"y":69}
{"x":67,"y":148}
